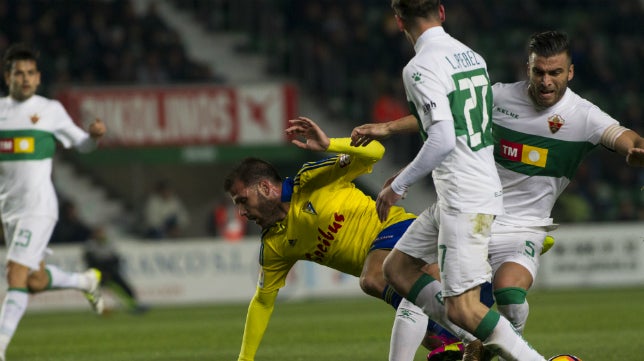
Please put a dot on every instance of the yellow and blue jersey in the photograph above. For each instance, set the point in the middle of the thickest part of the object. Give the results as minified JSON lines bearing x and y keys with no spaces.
{"x":330,"y":221}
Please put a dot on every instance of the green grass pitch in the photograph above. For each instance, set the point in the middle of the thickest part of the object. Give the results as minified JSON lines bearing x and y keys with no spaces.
{"x":597,"y":325}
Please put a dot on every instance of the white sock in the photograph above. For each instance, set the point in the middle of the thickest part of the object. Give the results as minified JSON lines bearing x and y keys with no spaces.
{"x":13,"y":308}
{"x":62,"y":279}
{"x":430,"y":299}
{"x":516,"y":314}
{"x":509,"y":344}
{"x":408,"y":332}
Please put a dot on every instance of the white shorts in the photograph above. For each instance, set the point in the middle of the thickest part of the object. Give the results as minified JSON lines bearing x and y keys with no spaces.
{"x":458,"y":241}
{"x":28,"y":238}
{"x":518,"y":244}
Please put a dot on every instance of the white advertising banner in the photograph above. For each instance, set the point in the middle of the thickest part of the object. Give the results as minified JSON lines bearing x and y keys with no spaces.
{"x":195,"y":271}
{"x":594,"y":255}
{"x":211,"y":271}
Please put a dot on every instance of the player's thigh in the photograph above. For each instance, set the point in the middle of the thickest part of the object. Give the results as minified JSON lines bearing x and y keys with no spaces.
{"x":29,"y":237}
{"x":462,"y":251}
{"x":519,"y":246}
{"x":421,"y":238}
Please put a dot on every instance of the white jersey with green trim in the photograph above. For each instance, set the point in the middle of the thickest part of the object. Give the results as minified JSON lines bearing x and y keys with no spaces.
{"x":28,"y":133}
{"x":446,"y":81}
{"x":538,"y":151}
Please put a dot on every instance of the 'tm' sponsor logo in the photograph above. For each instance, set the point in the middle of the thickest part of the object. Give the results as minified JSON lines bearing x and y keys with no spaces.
{"x":524,"y":153}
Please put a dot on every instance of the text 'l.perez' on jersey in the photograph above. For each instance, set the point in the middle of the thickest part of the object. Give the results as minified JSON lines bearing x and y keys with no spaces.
{"x":446,"y":81}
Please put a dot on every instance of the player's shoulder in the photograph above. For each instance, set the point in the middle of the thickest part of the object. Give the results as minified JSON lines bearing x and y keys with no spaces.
{"x":509,"y":87}
{"x":40,"y":101}
{"x":505,"y":91}
{"x":573,"y":99}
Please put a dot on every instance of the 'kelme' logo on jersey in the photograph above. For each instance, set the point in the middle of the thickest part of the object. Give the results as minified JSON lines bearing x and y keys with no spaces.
{"x":555,"y":123}
{"x":416,"y":77}
{"x":523,"y":153}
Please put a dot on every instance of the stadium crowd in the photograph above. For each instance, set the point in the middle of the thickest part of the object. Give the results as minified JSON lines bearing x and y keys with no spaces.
{"x":349,"y":55}
{"x":99,"y":42}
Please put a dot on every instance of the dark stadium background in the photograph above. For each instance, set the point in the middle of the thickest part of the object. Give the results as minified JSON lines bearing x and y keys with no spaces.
{"x":344,"y":57}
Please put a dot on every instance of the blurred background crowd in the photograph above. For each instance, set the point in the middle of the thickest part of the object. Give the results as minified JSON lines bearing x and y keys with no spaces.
{"x":348,"y":56}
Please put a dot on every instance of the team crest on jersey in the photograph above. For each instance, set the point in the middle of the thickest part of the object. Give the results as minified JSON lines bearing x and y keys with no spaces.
{"x":34,"y":118}
{"x":308,"y":208}
{"x":344,"y":161}
{"x":555,"y":123}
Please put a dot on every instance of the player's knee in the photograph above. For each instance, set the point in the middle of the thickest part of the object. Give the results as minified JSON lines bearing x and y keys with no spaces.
{"x":391,"y":269}
{"x":37,"y":281}
{"x":17,"y":275}
{"x":510,"y":296}
{"x":371,"y":285}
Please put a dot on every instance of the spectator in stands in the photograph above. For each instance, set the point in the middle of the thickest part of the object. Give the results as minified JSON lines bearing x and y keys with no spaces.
{"x":101,"y":253}
{"x":225,"y":221}
{"x":70,"y":228}
{"x":165,"y":215}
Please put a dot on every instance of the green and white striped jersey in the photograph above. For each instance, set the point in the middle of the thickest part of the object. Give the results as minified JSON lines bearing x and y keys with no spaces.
{"x":446,"y":81}
{"x":28,"y":133}
{"x":538,"y":151}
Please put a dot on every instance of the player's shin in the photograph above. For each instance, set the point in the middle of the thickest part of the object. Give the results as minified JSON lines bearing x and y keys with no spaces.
{"x":13,"y":308}
{"x":408,"y":331}
{"x":512,"y":304}
{"x":426,"y":293}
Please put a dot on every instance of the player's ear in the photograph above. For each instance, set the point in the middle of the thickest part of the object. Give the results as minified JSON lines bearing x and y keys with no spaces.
{"x":399,"y":23}
{"x":571,"y":72}
{"x":264,"y":187}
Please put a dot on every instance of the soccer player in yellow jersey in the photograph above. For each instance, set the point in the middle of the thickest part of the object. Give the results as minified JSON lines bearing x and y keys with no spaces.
{"x":320,"y":216}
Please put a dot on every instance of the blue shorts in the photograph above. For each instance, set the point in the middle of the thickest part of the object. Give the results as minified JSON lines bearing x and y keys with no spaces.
{"x":388,"y":237}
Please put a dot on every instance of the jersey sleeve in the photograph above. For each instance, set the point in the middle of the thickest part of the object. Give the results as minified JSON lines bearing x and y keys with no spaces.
{"x":350,"y":163}
{"x":272,"y":277}
{"x":598,"y":122}
{"x":68,"y":133}
{"x":274,"y":270}
{"x":427,"y":95}
{"x":257,"y":318}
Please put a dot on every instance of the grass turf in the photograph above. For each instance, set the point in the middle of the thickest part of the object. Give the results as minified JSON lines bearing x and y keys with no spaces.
{"x":602,"y":325}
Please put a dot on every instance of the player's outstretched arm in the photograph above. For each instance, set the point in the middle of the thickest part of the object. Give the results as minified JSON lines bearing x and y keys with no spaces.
{"x":314,"y":137}
{"x":259,"y":313}
{"x":631,"y":145}
{"x":97,"y":129}
{"x":362,"y":135}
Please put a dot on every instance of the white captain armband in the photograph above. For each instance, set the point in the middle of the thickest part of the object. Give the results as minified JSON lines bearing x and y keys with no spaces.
{"x":611,"y":134}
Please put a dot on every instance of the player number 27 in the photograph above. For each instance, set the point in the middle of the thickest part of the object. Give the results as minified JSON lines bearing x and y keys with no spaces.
{"x":472,"y":84}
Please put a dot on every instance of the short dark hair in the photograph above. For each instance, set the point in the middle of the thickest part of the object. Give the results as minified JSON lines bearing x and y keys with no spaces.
{"x":252,"y":170}
{"x":549,"y":43}
{"x":410,"y":9}
{"x":16,"y":52}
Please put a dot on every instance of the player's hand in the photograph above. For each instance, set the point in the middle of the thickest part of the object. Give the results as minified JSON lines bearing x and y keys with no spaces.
{"x":635,"y":157}
{"x":391,"y":179}
{"x":386,"y":199}
{"x":362,"y":135}
{"x":314,"y":138}
{"x":97,"y":129}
